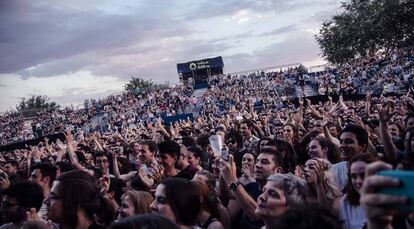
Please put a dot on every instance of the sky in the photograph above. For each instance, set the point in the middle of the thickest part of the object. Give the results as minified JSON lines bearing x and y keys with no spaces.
{"x":75,"y":50}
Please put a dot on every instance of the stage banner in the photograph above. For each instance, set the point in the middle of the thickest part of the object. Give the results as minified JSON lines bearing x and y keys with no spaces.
{"x":216,"y":62}
{"x":176,"y":118}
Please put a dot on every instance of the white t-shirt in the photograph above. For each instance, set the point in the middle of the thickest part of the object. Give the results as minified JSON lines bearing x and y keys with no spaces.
{"x":353,"y":217}
{"x":340,"y":172}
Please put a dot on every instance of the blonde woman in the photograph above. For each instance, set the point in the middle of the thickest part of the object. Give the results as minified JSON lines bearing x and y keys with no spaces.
{"x":322,"y":188}
{"x":135,"y":203}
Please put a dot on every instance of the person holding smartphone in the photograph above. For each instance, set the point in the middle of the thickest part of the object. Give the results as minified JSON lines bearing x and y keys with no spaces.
{"x":381,"y":208}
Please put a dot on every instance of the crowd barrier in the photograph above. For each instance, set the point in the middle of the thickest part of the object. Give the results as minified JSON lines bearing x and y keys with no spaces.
{"x":176,"y":118}
{"x":32,"y":142}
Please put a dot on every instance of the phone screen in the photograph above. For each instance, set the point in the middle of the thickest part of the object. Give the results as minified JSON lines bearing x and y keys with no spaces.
{"x":225,"y":154}
{"x":406,"y":188}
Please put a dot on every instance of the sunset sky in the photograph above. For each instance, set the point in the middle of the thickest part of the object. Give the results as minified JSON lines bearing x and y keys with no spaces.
{"x":76,"y":50}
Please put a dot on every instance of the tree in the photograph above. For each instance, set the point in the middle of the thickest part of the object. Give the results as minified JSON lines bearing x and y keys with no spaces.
{"x":138,"y":85}
{"x":36,"y":102}
{"x":366,"y":27}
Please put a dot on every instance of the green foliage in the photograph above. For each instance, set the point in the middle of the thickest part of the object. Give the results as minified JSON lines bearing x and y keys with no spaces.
{"x":36,"y":102}
{"x":138,"y":85}
{"x":366,"y":27}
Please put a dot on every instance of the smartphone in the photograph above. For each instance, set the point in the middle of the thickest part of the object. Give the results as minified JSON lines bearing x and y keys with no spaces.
{"x":406,"y":188}
{"x":3,"y":175}
{"x":225,"y":154}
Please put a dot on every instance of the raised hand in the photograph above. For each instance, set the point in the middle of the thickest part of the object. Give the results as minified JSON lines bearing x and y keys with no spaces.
{"x":149,"y":182}
{"x":357,"y":120}
{"x":247,"y":172}
{"x":69,"y":136}
{"x":385,"y":112}
{"x":156,"y":173}
{"x":326,"y":118}
{"x":104,"y":182}
{"x":4,"y":180}
{"x":287,"y":139}
{"x":378,"y":205}
{"x":228,"y":170}
{"x":299,"y":172}
{"x":320,"y":173}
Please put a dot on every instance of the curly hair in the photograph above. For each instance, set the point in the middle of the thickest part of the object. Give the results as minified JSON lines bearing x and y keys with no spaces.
{"x":331,"y":189}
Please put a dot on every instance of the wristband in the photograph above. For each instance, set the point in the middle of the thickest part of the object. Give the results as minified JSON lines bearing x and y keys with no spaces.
{"x":234,"y":185}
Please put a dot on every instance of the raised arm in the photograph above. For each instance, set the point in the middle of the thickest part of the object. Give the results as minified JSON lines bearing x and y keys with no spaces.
{"x":161,"y":128}
{"x":326,"y":132}
{"x":98,"y":145}
{"x":116,"y":166}
{"x":389,"y":148}
{"x":313,"y":110}
{"x":246,"y":202}
{"x":71,"y":151}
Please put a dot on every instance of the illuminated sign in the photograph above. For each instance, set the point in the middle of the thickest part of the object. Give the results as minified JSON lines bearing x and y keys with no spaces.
{"x":216,"y":62}
{"x":200,"y":65}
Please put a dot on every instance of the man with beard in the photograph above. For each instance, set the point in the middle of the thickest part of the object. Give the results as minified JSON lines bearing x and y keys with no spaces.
{"x":353,"y":141}
{"x":18,"y":199}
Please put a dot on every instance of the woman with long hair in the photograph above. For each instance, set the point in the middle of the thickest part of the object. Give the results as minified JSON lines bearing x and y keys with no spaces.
{"x":351,"y":212}
{"x":321,"y":147}
{"x":178,"y":200}
{"x":209,"y":215}
{"x":322,"y":188}
{"x":207,"y":178}
{"x":75,"y":202}
{"x":408,"y":161}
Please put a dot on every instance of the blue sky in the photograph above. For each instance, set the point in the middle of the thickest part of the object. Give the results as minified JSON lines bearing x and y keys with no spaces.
{"x":75,"y":50}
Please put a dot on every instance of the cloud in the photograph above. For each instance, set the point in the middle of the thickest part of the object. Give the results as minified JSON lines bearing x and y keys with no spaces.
{"x":280,"y":31}
{"x":296,"y":48}
{"x":62,"y":44}
{"x":47,"y":34}
{"x":77,"y":87}
{"x":210,"y":9}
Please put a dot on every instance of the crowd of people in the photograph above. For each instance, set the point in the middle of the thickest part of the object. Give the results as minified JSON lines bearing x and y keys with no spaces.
{"x":391,"y":73}
{"x":125,"y":110}
{"x":251,"y":159}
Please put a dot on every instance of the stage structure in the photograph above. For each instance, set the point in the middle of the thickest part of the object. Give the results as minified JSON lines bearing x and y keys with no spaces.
{"x":197,"y":72}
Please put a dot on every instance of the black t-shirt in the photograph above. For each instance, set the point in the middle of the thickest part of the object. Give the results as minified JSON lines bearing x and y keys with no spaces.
{"x":243,"y":221}
{"x":187,"y":173}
